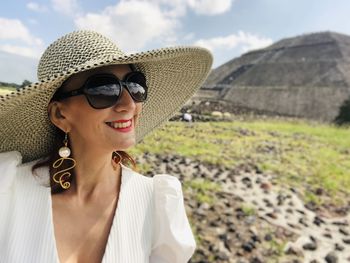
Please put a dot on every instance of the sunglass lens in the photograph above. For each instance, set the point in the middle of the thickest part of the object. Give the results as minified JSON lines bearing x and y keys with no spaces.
{"x":136,"y":83}
{"x":102,"y":92}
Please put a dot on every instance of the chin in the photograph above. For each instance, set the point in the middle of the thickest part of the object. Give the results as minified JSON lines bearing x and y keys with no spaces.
{"x":125,"y":145}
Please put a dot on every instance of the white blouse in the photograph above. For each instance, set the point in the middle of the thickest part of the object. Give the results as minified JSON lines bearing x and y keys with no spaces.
{"x":150,"y":223}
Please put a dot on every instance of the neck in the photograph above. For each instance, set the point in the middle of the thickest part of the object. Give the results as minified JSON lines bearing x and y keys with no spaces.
{"x":94,"y":175}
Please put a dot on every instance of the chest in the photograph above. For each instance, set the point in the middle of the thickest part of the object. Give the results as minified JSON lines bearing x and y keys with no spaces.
{"x":82,"y":233}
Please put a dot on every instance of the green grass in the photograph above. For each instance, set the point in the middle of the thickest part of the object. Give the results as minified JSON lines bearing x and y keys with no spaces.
{"x":300,"y":153}
{"x":204,"y":190}
{"x":248,"y":210}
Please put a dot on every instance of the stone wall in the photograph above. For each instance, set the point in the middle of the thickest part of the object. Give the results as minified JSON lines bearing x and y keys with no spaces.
{"x":318,"y":103}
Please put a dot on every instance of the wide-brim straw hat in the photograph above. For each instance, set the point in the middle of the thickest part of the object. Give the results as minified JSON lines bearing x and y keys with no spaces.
{"x":173,"y":75}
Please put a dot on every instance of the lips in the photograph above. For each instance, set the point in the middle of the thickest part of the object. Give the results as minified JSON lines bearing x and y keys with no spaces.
{"x":120,"y":124}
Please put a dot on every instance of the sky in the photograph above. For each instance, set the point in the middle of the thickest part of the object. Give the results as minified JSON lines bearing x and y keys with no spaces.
{"x":228,"y":28}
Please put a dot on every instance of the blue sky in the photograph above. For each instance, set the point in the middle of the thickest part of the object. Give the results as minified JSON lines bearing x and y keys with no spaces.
{"x":227,"y":27}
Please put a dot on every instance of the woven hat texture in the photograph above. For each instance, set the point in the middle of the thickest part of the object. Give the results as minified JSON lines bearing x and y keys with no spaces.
{"x":173,"y":75}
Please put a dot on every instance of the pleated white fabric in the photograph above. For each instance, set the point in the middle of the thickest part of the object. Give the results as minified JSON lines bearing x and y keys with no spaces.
{"x":150,"y":222}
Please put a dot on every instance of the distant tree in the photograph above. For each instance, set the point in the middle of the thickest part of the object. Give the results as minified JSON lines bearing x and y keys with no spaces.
{"x":343,"y":117}
{"x":25,"y":83}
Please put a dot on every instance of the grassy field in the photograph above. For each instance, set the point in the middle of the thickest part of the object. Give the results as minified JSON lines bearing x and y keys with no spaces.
{"x":303,"y":155}
{"x":6,"y":90}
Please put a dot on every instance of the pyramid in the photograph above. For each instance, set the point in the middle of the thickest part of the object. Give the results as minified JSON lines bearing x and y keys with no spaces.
{"x":305,"y":76}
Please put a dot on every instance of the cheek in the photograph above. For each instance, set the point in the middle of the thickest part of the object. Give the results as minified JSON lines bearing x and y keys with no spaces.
{"x":138,"y":110}
{"x":85,"y":118}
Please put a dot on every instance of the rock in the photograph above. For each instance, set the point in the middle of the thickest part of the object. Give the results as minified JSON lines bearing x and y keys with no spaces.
{"x":310,"y":246}
{"x":289,"y":210}
{"x":255,"y":238}
{"x":250,"y":220}
{"x":265,"y":186}
{"x":300,"y":211}
{"x":268,"y":237}
{"x":272,"y":215}
{"x":267,"y":202}
{"x":311,"y":206}
{"x":293,"y":190}
{"x":227,"y":115}
{"x":246,"y":180}
{"x":217,"y":114}
{"x":221,"y":255}
{"x":231,"y":228}
{"x":339,"y":247}
{"x":343,"y":231}
{"x":331,"y":257}
{"x":313,"y":239}
{"x":347,"y":241}
{"x":293,"y":250}
{"x":328,"y":235}
{"x":302,"y":221}
{"x":248,"y":246}
{"x":319,"y":191}
{"x":256,"y":260}
{"x":318,"y":221}
{"x":338,"y":223}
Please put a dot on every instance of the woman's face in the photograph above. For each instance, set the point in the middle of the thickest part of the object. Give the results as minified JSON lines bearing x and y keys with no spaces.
{"x":87,"y":127}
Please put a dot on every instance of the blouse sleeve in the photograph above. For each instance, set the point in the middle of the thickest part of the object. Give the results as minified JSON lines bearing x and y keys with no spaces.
{"x":173,"y":241}
{"x":8,"y":166}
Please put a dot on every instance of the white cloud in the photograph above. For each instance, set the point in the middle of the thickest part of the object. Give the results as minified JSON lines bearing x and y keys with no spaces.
{"x":13,"y":30}
{"x":66,"y":7}
{"x":26,"y":51}
{"x":131,"y":24}
{"x":244,"y":41}
{"x":177,"y":8}
{"x":210,"y":7}
{"x":228,"y":47}
{"x":36,"y":7}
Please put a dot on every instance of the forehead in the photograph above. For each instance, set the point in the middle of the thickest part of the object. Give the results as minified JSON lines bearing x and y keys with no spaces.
{"x":77,"y":80}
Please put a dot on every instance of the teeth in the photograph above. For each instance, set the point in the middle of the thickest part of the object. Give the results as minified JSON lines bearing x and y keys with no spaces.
{"x":120,"y":125}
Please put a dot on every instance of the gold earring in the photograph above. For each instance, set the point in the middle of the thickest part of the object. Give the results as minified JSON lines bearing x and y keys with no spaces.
{"x":64,"y":175}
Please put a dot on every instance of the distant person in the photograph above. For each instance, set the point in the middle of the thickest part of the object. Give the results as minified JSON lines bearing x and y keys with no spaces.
{"x":66,"y":192}
{"x":187,"y":117}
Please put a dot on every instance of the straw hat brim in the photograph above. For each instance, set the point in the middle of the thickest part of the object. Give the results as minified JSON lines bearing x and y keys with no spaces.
{"x":173,"y":76}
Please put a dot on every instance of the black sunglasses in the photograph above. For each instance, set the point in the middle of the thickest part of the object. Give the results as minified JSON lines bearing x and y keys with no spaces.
{"x":104,"y":90}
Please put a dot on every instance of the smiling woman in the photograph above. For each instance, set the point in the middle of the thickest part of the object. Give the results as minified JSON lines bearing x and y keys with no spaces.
{"x":67,"y":192}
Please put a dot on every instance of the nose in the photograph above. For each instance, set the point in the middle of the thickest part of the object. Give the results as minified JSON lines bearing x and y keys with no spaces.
{"x":125,"y":102}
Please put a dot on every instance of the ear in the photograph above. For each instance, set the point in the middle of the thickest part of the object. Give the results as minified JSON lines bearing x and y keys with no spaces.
{"x":56,"y":116}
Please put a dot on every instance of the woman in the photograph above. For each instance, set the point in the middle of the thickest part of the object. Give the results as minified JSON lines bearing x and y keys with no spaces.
{"x":66,"y":192}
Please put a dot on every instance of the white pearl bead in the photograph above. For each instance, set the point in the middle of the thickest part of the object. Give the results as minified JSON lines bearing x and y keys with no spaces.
{"x":64,"y":152}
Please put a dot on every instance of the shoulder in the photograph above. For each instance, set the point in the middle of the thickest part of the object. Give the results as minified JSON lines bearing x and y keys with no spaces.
{"x":173,"y":240}
{"x":9,"y":161}
{"x":14,"y":173}
{"x":161,"y":184}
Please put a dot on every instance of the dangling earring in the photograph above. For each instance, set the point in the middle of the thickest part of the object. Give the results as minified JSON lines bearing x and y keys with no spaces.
{"x":117,"y":159}
{"x":63,"y":175}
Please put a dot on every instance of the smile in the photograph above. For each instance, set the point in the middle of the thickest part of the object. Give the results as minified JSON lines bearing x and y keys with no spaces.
{"x":119,"y":125}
